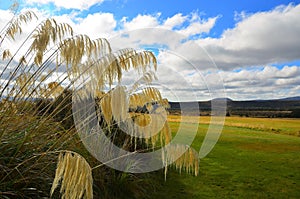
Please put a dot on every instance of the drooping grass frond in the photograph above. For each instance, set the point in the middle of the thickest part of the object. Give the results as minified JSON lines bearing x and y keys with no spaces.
{"x":153,"y":127}
{"x":99,"y":94}
{"x":23,"y":60}
{"x":6,"y":54}
{"x":142,"y":121}
{"x":137,"y":60}
{"x":48,"y":31}
{"x":165,"y":134}
{"x":72,"y":50}
{"x":137,"y":99}
{"x":114,"y":63}
{"x":165,"y":103}
{"x":188,"y":161}
{"x":15,"y":25}
{"x":109,"y":67}
{"x":100,"y":47}
{"x":26,"y":16}
{"x":147,"y":77}
{"x":119,"y":103}
{"x":55,"y":89}
{"x":25,"y":83}
{"x":75,"y":175}
{"x":147,"y":96}
{"x":105,"y":105}
{"x":106,"y":68}
{"x":152,"y":93}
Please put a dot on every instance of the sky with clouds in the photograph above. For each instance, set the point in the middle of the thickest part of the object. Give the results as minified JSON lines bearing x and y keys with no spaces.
{"x":205,"y":49}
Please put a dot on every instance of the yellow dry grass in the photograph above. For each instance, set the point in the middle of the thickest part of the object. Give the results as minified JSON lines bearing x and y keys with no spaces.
{"x":179,"y":118}
{"x":289,"y":126}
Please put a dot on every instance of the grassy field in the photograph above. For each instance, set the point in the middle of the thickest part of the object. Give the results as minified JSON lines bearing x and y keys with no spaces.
{"x":254,"y":158}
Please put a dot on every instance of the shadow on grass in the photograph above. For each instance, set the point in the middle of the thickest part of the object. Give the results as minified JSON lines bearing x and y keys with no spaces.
{"x":173,"y":187}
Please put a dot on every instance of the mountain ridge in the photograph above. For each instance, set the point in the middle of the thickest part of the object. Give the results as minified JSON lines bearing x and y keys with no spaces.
{"x":284,"y":107}
{"x":295,"y":98}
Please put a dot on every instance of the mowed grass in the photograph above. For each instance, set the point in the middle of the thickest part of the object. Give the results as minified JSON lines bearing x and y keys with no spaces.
{"x":250,"y":160}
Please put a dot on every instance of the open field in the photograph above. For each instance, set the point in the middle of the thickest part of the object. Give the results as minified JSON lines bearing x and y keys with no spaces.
{"x":288,"y":126}
{"x":254,"y":158}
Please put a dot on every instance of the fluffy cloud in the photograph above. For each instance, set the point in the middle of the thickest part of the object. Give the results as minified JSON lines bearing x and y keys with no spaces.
{"x":265,"y":83}
{"x":187,"y":68}
{"x":97,"y":25}
{"x":174,"y":21}
{"x":141,"y":21}
{"x":6,"y":15}
{"x":258,"y":39}
{"x":147,"y":30}
{"x":68,"y":4}
{"x":198,"y":27}
{"x":265,"y":30}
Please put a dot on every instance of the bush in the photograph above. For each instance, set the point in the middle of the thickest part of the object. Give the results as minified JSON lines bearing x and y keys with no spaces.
{"x":295,"y":113}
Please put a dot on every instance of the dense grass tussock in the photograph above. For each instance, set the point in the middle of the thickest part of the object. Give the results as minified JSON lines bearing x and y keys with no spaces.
{"x":36,"y":121}
{"x":27,"y":162}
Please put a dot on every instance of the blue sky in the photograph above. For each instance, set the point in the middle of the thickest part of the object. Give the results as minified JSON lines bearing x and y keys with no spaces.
{"x":131,"y":8}
{"x":225,"y":9}
{"x":252,"y":45}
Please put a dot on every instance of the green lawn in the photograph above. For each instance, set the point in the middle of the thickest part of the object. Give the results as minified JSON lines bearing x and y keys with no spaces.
{"x":245,"y":163}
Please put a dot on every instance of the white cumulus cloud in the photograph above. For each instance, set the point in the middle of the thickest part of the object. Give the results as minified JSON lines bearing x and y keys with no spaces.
{"x":258,"y":39}
{"x":187,"y":66}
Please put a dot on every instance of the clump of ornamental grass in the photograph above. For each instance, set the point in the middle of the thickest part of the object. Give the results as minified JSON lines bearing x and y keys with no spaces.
{"x":33,"y":131}
{"x":28,"y":138}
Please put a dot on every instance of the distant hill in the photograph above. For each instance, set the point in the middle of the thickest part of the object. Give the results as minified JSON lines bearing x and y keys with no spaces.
{"x":290,"y":99}
{"x":222,"y":99}
{"x":286,"y":107}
